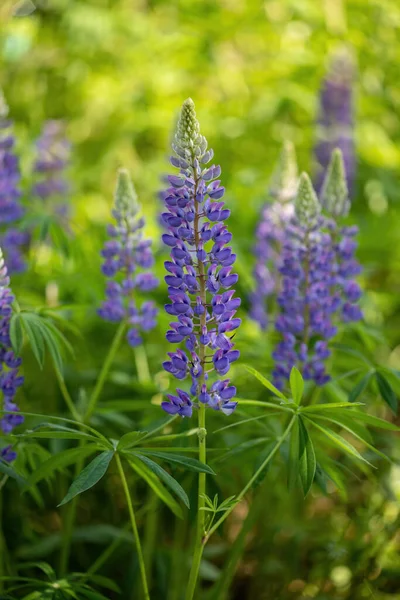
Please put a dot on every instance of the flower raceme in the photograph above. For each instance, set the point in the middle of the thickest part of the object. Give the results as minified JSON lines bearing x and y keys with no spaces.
{"x":318,"y":291}
{"x":200,"y":275}
{"x":10,"y":380}
{"x":335,"y":123}
{"x":12,"y":240}
{"x":270,"y":233}
{"x":127,"y":262}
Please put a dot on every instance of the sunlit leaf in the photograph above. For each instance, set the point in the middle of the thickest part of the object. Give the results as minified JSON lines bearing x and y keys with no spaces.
{"x":296,"y":385}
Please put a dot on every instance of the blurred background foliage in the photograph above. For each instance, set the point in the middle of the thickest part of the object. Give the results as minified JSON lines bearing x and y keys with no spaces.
{"x":117,"y":71}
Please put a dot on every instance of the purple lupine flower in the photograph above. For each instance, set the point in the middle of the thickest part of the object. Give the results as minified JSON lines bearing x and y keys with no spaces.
{"x":127,"y":262}
{"x":335,"y":122}
{"x":270,"y":233}
{"x":334,"y":199}
{"x":10,"y":380}
{"x":52,"y":159}
{"x":306,"y":302}
{"x":200,"y":275}
{"x":11,"y":239}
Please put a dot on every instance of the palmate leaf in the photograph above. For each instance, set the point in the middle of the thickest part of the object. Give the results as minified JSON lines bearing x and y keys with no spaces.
{"x":265,"y":382}
{"x":50,"y":431}
{"x":191,"y":464}
{"x":296,"y":385}
{"x":302,"y":462}
{"x":131,"y":439}
{"x":165,"y":478}
{"x":358,"y":431}
{"x":339,"y":442}
{"x":373,"y":421}
{"x":307,"y":461}
{"x":42,"y":334}
{"x":386,"y":391}
{"x":154,"y":482}
{"x":60,"y":461}
{"x":90,"y":475}
{"x":10,"y":471}
{"x":360,"y":387}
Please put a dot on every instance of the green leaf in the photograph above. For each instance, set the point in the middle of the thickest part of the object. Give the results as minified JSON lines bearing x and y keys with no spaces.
{"x":165,"y":477}
{"x":16,"y":332}
{"x":8,"y":470}
{"x":329,"y":406}
{"x":296,"y":385}
{"x":57,"y":432}
{"x":359,"y":432}
{"x":191,"y":464}
{"x":60,"y":461}
{"x":338,"y":441}
{"x":307,"y":462}
{"x":386,"y":391}
{"x":374,"y":421}
{"x":131,"y":439}
{"x":359,"y":388}
{"x":293,"y":467}
{"x":33,"y":331}
{"x":153,"y":481}
{"x":90,"y":475}
{"x":265,"y":382}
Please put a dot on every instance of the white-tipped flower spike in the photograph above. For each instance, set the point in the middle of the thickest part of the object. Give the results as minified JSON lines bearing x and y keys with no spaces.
{"x":284,"y":180}
{"x":126,"y":199}
{"x":187,"y":140}
{"x":307,"y":206}
{"x":334,"y":194}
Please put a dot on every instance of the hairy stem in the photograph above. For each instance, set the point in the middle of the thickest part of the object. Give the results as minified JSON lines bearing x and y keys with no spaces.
{"x":134,"y":529}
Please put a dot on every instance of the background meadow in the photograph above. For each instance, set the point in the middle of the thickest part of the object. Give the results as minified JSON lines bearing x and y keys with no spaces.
{"x":116,"y":72}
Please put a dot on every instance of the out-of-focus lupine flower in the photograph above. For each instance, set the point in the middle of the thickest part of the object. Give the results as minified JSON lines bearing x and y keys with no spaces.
{"x":127,"y":263}
{"x":52,"y":159}
{"x":335,"y":120}
{"x":335,"y":201}
{"x":306,"y":300}
{"x":10,"y":380}
{"x":11,"y":239}
{"x":200,"y":274}
{"x":270,"y":233}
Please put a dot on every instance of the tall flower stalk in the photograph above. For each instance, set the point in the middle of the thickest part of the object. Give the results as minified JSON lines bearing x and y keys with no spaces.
{"x":318,"y":268}
{"x":12,"y":239}
{"x":270,"y":233}
{"x":127,"y":264}
{"x":10,"y":378}
{"x":335,"y":124}
{"x":52,"y":159}
{"x":199,"y":282}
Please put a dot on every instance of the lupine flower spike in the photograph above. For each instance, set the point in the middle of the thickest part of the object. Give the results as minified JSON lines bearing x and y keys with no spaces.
{"x":52,"y":159}
{"x":127,"y":263}
{"x":270,"y":233}
{"x":11,"y":239}
{"x":10,"y":380}
{"x":200,"y":277}
{"x":306,"y":301}
{"x":336,"y":121}
{"x":336,"y":204}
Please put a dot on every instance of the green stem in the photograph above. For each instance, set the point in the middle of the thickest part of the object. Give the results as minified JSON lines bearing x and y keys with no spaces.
{"x":70,"y":511}
{"x":200,"y":530}
{"x":134,"y":528}
{"x":104,"y":371}
{"x":251,"y":480}
{"x":142,"y":364}
{"x":67,"y":397}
